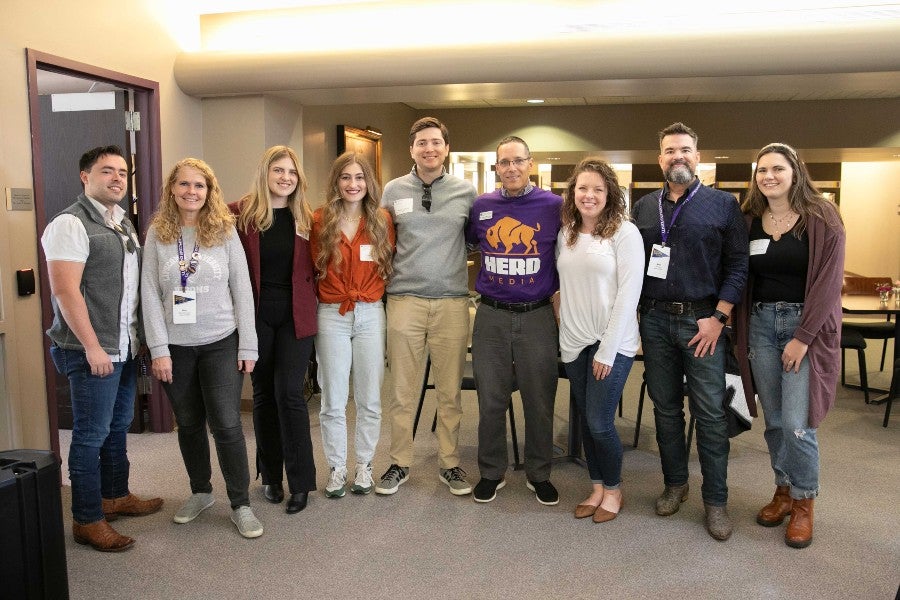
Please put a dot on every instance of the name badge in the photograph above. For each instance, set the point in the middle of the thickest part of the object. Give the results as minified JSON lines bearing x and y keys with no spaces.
{"x":595,"y":247}
{"x":184,"y":307}
{"x":403,"y":206}
{"x":659,"y":261}
{"x":484,"y":216}
{"x":365,"y":253}
{"x":758,"y":246}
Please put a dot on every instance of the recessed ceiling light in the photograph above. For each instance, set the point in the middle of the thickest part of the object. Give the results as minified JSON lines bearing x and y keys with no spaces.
{"x":721,"y":157}
{"x":535,"y":101}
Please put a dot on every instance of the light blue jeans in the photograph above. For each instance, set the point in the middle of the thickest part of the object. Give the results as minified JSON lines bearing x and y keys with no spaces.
{"x":355,"y":338}
{"x":793,"y":447}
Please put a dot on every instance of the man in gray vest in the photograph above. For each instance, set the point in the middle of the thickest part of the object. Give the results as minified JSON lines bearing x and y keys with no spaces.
{"x":93,"y":258}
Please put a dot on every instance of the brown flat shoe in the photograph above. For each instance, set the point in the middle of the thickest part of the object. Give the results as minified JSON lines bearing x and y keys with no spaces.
{"x":601,"y":515}
{"x":101,"y":536}
{"x":130,"y":506}
{"x":582,"y":511}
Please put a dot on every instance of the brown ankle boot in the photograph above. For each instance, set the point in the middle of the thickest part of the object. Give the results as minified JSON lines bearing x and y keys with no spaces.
{"x":774,"y":512}
{"x":130,"y":506}
{"x":800,"y":528}
{"x":101,"y":536}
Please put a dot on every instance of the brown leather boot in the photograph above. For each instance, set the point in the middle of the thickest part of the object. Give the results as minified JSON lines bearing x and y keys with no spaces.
{"x":800,"y":528}
{"x":774,"y":512}
{"x":101,"y":536}
{"x":130,"y":506}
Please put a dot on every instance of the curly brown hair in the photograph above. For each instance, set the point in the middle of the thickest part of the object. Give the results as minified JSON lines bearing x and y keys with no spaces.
{"x":376,"y":224}
{"x":215,"y":222}
{"x":612,"y":215}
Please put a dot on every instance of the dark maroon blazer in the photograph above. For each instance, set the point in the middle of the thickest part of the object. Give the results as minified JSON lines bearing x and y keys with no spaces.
{"x":302,"y":278}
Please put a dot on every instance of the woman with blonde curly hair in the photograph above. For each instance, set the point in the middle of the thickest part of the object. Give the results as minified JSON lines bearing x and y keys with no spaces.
{"x":353,"y":245}
{"x":273,"y":222}
{"x":600,"y":259}
{"x":198,"y":316}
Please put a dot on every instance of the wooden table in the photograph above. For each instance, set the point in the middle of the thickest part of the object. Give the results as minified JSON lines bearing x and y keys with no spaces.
{"x":872,"y":305}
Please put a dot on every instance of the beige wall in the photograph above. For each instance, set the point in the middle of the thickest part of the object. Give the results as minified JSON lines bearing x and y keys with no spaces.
{"x":871,"y":213}
{"x":121,"y":36}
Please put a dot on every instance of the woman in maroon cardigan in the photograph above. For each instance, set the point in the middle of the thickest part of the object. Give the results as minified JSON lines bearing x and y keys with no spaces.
{"x":274,"y":221}
{"x":788,"y":327}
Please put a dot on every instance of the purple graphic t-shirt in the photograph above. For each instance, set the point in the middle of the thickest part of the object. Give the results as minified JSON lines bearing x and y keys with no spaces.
{"x":517,"y":239}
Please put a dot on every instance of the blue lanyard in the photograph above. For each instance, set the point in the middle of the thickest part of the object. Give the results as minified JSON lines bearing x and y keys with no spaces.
{"x":187,"y":268}
{"x":662,"y":222}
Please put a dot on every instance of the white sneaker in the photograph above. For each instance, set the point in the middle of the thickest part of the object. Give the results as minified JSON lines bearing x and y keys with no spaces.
{"x":191,"y":509}
{"x":363,"y":483}
{"x":336,"y":482}
{"x":246,"y":522}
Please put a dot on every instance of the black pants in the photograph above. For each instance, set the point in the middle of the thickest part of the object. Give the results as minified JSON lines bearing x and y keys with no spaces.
{"x":280,"y":413}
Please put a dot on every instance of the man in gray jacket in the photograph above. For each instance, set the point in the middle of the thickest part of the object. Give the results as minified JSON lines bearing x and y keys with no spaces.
{"x":93,"y":257}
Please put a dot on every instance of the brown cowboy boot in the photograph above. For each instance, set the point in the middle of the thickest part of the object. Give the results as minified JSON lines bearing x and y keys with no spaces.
{"x":101,"y":536}
{"x":800,"y":528}
{"x":774,"y":512}
{"x":130,"y":506}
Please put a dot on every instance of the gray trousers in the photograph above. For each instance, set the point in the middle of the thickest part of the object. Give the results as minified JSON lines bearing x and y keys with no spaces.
{"x":509,"y":351}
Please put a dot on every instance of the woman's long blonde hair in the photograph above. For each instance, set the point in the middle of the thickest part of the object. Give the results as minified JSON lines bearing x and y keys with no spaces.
{"x":215,"y":222}
{"x":256,"y":206}
{"x":612,"y":215}
{"x":376,"y":224}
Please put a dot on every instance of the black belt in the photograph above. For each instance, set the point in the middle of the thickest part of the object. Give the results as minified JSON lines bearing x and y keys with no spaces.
{"x":677,"y":308}
{"x":517,"y":307}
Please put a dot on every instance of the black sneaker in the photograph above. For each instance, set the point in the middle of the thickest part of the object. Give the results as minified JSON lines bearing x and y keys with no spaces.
{"x":544,"y":491}
{"x":486,"y":490}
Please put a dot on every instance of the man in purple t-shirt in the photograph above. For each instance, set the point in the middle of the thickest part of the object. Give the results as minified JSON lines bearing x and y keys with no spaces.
{"x":514,"y":340}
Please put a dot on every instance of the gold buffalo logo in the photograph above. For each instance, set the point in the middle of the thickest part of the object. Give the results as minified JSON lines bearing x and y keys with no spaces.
{"x":510,"y":233}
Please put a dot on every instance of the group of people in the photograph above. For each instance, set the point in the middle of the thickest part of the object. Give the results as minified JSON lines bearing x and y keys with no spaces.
{"x":253,"y":286}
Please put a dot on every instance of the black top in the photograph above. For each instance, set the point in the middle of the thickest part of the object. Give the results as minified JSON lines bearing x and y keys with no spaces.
{"x":779,"y":275}
{"x":276,"y":257}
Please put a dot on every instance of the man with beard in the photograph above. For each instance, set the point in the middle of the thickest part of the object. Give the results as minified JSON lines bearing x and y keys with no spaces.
{"x":697,"y":253}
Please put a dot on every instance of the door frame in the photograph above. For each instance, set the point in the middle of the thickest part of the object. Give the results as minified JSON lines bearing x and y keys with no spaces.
{"x":148,"y":159}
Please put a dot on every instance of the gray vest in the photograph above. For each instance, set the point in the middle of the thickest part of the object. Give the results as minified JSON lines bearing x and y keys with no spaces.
{"x":101,"y":282}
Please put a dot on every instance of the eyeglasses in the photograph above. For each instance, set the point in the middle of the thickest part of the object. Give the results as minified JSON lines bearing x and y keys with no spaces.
{"x":426,"y":197}
{"x":517,"y":162}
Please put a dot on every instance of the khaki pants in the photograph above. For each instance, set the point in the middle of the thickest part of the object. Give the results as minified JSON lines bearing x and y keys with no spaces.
{"x":416,"y":328}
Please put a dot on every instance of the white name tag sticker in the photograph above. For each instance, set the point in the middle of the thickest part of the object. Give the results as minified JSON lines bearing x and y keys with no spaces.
{"x":184,"y":307}
{"x":403,"y":206}
{"x":759,"y":246}
{"x":365,"y":253}
{"x":595,"y":247}
{"x":659,"y":261}
{"x":484,"y":216}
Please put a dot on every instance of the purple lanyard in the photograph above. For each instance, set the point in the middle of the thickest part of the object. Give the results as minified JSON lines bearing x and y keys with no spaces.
{"x":662,"y":221}
{"x":187,"y":268}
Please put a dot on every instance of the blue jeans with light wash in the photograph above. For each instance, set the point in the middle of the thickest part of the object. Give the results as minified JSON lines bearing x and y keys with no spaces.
{"x":102,"y":411}
{"x":597,"y":401}
{"x":667,"y":361}
{"x":354,"y":339}
{"x":793,"y":445}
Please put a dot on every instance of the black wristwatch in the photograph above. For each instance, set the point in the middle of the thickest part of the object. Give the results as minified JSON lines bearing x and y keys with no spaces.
{"x":720,"y":317}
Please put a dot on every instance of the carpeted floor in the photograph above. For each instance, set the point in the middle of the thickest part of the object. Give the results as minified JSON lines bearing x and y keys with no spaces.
{"x":424,"y":543}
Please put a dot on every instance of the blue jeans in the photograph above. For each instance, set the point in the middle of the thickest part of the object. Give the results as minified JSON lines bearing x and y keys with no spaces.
{"x":793,"y":446}
{"x":102,"y":410}
{"x":667,"y":361}
{"x":597,"y":401}
{"x":354,"y":339}
{"x":206,"y":388}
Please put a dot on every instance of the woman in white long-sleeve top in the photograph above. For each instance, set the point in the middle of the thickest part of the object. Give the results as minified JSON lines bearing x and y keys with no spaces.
{"x":198,"y":317}
{"x":600,"y":259}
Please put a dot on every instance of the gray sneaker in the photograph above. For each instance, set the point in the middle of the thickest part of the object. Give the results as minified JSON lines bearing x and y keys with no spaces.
{"x":391,"y":480}
{"x":246,"y":522}
{"x":718,"y":523}
{"x":191,"y":509}
{"x":363,"y":482}
{"x":670,"y":500}
{"x":455,"y":479}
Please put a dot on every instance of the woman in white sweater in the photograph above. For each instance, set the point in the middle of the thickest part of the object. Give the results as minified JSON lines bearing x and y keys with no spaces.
{"x":600,"y":259}
{"x":199,"y":323}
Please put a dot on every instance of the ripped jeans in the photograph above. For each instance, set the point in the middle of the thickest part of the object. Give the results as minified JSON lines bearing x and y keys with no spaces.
{"x":793,"y":447}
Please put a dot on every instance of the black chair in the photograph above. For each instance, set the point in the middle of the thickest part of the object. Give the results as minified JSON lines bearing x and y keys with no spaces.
{"x":468,"y":383}
{"x":895,"y":391}
{"x":640,"y":410}
{"x":852,"y":339}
